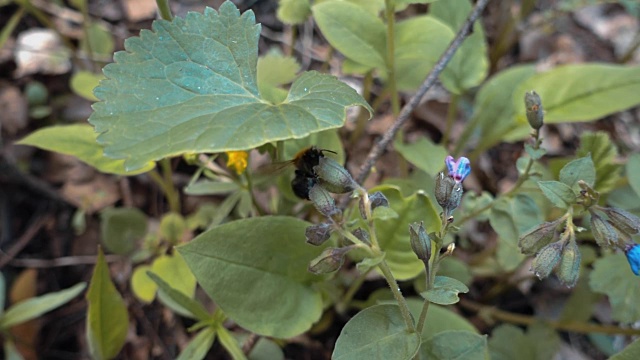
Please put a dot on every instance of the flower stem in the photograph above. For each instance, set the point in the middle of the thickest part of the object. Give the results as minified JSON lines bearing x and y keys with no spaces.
{"x":166,"y":185}
{"x":393,"y":284}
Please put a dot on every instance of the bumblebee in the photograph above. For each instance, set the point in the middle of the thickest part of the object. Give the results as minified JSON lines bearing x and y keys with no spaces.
{"x":305,"y":177}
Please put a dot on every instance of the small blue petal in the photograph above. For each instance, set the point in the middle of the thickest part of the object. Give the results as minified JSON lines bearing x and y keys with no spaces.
{"x":459,"y":169}
{"x":451,"y":164}
{"x":633,"y":256}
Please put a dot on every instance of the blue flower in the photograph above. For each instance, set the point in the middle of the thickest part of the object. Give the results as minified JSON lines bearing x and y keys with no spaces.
{"x":633,"y":256}
{"x":459,"y":169}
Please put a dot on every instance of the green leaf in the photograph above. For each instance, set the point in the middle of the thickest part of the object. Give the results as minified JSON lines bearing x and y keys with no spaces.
{"x":470,"y":65}
{"x":174,"y":270}
{"x":459,"y":345}
{"x":194,"y":307}
{"x":266,"y":349}
{"x":502,"y":221}
{"x":230,"y":344}
{"x":172,"y":227}
{"x":377,"y":332}
{"x":80,"y":141}
{"x":419,"y":42}
{"x":293,"y":12}
{"x":611,"y":276}
{"x":355,"y":32}
{"x":579,"y":306}
{"x":633,"y":172}
{"x":107,"y":318}
{"x":121,"y":228}
{"x":83,"y":82}
{"x":141,"y":284}
{"x":603,"y":152}
{"x":393,"y":234}
{"x":560,"y":194}
{"x":582,"y":92}
{"x":206,"y":187}
{"x":274,"y":70}
{"x":445,"y":291}
{"x":244,"y":265}
{"x":631,"y":352}
{"x":100,"y":40}
{"x":510,"y":342}
{"x":190,"y":86}
{"x":579,"y":169}
{"x":32,"y":308}
{"x":494,"y":112}
{"x":402,"y":4}
{"x":455,"y":268}
{"x":415,"y":154}
{"x":439,"y":319}
{"x":199,"y":346}
{"x":534,"y":153}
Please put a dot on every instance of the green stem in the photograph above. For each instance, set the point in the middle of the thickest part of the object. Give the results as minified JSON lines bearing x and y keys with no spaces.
{"x":390,"y":14}
{"x":166,"y":185}
{"x":249,"y":178}
{"x":292,"y":41}
{"x":393,"y":284}
{"x":452,"y":112}
{"x":164,"y":9}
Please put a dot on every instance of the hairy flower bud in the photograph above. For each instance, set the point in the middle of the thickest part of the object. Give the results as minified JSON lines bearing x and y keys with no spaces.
{"x":330,"y":260}
{"x":323,"y":201}
{"x":375,"y":200}
{"x":533,"y":106}
{"x":334,"y":177}
{"x":538,"y":237}
{"x":632,"y":251}
{"x":547,"y":259}
{"x":569,"y":270}
{"x":443,"y":189}
{"x":604,"y":234}
{"x":420,"y":241}
{"x":624,"y":221}
{"x":362,"y":235}
{"x":318,"y":234}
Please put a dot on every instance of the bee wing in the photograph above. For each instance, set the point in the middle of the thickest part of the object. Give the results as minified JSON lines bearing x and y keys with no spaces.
{"x":275,"y":168}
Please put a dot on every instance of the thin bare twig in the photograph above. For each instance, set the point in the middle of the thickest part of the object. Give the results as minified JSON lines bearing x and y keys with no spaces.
{"x":381,"y":145}
{"x":62,"y":261}
{"x":24,"y":240}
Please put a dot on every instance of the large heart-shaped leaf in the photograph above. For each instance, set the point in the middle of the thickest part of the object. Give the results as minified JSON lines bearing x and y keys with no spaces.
{"x":377,"y":332}
{"x":256,"y":271}
{"x":190,"y":86}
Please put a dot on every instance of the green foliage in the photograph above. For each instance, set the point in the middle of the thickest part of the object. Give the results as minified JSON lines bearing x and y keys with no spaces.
{"x":80,"y":141}
{"x":34,"y":307}
{"x":121,"y":228}
{"x":199,"y":346}
{"x":445,"y":291}
{"x":83,"y":83}
{"x":633,"y":172}
{"x":583,"y":92}
{"x":107,"y":318}
{"x":629,"y":353}
{"x":603,"y":153}
{"x":229,"y":262}
{"x":611,"y":276}
{"x":184,"y":92}
{"x":274,"y":70}
{"x":560,"y":194}
{"x":414,"y":153}
{"x":463,"y":345}
{"x":376,"y":332}
{"x":510,"y":342}
{"x":293,"y":11}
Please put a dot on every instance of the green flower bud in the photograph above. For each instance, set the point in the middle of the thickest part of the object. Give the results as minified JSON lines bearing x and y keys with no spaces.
{"x":420,"y":241}
{"x":604,"y":234}
{"x":323,"y":201}
{"x":533,"y":105}
{"x":538,"y":237}
{"x":334,"y":177}
{"x":624,"y":221}
{"x":569,"y":270}
{"x":318,"y":234}
{"x":444,"y":186}
{"x":547,"y":259}
{"x":330,"y":260}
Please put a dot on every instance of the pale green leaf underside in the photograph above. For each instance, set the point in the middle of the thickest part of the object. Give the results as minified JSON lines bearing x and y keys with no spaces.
{"x":256,"y":272}
{"x":611,"y":275}
{"x":190,"y":86}
{"x":79,"y":140}
{"x":584,"y":92}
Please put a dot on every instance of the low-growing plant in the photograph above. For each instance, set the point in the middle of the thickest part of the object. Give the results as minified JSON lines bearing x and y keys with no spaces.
{"x":195,"y":88}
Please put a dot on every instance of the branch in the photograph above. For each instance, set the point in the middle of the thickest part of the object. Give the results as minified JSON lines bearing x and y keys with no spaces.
{"x":381,"y":145}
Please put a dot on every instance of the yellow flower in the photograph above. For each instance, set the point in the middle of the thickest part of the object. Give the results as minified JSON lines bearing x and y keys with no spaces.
{"x":237,"y":161}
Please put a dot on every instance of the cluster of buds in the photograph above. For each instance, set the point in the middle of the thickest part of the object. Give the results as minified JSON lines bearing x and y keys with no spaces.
{"x":561,"y":255}
{"x":613,"y":227}
{"x":334,"y":178}
{"x":449,"y":189}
